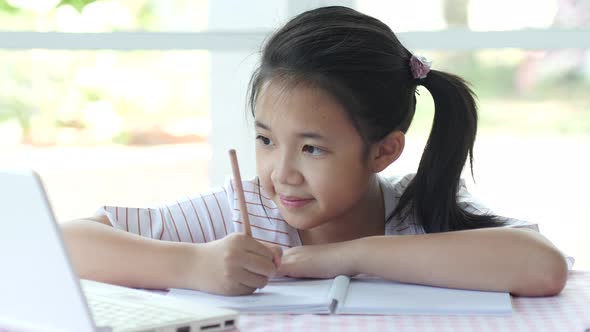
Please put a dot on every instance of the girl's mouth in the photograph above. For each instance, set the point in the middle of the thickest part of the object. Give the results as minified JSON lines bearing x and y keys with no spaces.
{"x":294,"y":202}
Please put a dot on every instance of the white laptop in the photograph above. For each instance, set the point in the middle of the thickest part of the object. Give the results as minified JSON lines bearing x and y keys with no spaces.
{"x":39,"y":290}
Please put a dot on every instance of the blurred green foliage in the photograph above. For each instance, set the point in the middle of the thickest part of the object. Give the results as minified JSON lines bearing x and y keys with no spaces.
{"x":5,"y":5}
{"x":115,"y":95}
{"x":7,"y":8}
{"x":556,"y":103}
{"x":78,"y":4}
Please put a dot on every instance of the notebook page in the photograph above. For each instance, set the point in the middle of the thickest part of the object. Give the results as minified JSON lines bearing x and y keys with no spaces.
{"x":283,"y":295}
{"x":377,"y":296}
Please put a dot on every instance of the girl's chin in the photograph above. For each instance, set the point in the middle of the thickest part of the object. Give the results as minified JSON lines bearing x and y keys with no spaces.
{"x":301,"y":223}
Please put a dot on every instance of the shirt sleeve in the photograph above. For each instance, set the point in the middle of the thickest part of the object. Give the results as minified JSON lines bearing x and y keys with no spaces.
{"x":198,"y":218}
{"x":408,"y":225}
{"x":470,"y":204}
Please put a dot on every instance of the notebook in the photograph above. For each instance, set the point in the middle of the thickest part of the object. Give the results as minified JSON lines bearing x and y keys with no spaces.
{"x":40,"y":291}
{"x":361,"y":295}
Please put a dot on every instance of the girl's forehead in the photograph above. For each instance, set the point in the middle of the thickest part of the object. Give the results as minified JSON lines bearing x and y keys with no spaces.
{"x":279,"y":101}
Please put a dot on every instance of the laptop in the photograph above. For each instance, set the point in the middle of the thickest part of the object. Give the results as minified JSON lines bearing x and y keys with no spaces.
{"x":39,"y":290}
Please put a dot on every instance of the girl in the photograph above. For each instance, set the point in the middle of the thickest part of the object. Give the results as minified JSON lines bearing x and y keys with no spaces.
{"x":332,"y":100}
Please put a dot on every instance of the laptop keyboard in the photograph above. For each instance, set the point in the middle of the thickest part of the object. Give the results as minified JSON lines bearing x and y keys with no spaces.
{"x":128,"y":315}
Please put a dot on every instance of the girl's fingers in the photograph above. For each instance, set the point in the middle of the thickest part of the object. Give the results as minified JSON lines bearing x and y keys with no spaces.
{"x":240,"y":289}
{"x":262,"y":266}
{"x":250,"y":279}
{"x":255,"y":247}
{"x":277,"y":254}
{"x":271,"y":251}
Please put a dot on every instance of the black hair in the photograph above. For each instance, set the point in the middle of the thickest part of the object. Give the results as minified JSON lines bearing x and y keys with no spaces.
{"x":358,"y":60}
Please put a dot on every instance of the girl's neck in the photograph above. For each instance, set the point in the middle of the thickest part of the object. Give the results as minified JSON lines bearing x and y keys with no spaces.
{"x":366,"y":218}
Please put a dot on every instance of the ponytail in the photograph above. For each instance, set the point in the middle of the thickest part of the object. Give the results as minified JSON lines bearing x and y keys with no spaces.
{"x":431,"y":196}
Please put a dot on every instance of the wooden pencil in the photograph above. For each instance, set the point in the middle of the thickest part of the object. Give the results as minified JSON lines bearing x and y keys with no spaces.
{"x":240,"y":191}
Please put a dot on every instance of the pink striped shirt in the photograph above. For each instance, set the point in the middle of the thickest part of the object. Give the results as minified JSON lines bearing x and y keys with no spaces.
{"x":214,"y":214}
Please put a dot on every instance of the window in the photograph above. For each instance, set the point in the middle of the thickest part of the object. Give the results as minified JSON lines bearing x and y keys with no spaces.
{"x":133,"y":111}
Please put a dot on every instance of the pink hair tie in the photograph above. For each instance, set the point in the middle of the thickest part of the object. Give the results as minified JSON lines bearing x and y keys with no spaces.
{"x":420,"y":66}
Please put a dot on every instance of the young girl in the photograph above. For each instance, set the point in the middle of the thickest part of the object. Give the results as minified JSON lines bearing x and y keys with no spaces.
{"x":332,"y":100}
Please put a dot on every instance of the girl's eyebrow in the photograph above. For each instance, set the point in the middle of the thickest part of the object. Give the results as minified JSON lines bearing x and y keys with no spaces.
{"x":259,"y":124}
{"x":305,"y":134}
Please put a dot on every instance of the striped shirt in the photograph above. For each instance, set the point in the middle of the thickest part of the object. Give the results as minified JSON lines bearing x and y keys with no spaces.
{"x":212,"y":215}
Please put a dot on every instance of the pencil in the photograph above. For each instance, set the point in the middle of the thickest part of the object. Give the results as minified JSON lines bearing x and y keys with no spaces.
{"x":240,"y":191}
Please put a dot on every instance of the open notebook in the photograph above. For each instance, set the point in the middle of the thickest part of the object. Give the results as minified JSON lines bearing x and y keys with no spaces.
{"x":364,"y":295}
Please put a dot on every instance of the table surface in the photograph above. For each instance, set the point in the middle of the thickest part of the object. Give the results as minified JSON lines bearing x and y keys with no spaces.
{"x":569,"y":311}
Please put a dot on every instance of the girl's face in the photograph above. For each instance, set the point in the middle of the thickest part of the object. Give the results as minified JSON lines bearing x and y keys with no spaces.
{"x":309,"y":156}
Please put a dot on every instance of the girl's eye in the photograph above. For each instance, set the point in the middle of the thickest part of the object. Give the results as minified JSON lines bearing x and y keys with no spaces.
{"x":313,"y":150}
{"x":264,"y":140}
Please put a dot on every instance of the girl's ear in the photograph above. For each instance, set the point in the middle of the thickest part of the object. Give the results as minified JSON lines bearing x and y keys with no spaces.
{"x":386,"y":151}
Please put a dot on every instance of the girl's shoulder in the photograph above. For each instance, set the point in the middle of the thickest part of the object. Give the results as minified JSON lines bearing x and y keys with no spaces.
{"x":396,"y":183}
{"x":393,"y":187}
{"x":399,"y":183}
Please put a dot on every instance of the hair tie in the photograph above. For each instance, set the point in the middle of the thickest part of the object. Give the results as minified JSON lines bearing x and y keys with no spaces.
{"x":420,"y":66}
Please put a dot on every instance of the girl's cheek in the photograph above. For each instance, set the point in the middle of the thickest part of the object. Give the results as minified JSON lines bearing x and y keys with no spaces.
{"x":265,"y":181}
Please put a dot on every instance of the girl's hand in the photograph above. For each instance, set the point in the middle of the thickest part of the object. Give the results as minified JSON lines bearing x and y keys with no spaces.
{"x":318,"y":261}
{"x":234,"y":265}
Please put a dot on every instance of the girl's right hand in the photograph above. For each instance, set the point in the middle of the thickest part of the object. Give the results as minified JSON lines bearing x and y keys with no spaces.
{"x":234,"y":265}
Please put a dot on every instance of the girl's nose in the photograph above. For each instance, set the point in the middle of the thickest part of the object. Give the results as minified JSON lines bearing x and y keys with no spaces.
{"x":286,"y":172}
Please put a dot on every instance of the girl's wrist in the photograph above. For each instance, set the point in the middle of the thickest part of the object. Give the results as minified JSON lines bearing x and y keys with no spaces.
{"x":363,"y":253}
{"x":186,"y":263}
{"x":355,"y":255}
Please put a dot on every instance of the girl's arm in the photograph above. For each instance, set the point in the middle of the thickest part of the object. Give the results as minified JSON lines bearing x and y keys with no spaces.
{"x":521,"y":262}
{"x":103,"y":253}
{"x":236,"y":264}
